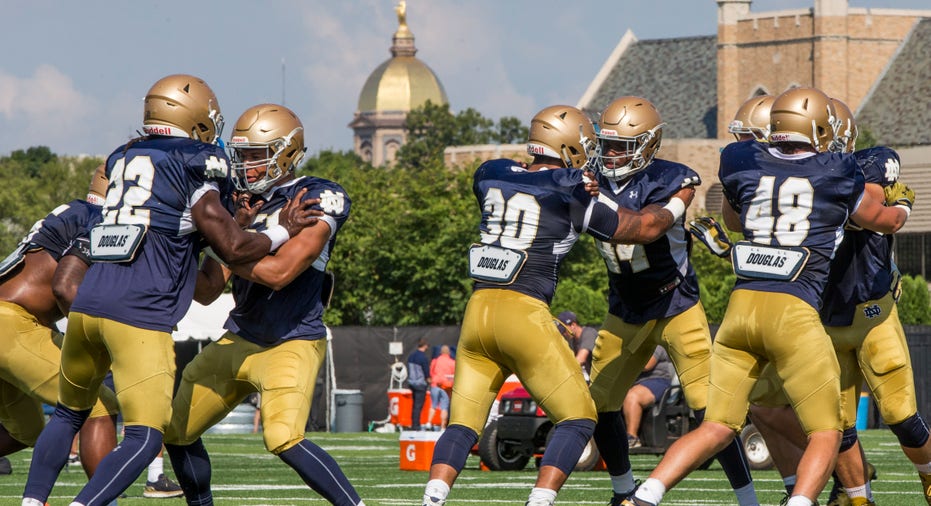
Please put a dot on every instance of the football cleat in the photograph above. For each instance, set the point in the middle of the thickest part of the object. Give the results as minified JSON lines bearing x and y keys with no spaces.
{"x":162,"y":488}
{"x":838,"y":496}
{"x":926,"y":485}
{"x":618,"y":498}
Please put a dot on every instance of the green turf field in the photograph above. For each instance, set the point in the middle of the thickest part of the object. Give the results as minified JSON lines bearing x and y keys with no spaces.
{"x":244,"y":474}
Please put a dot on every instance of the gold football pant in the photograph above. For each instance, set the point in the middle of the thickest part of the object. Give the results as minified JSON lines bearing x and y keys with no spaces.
{"x":30,"y":363}
{"x":143,"y":364}
{"x":784,"y":331}
{"x":874,"y":348}
{"x":506,"y":332}
{"x":226,"y":371}
{"x":622,"y":350}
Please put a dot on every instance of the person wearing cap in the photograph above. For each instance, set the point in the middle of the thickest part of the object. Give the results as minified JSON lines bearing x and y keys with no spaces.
{"x":580,"y":338}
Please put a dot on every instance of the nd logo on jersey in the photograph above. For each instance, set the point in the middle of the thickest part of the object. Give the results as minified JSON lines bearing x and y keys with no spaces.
{"x":332,"y":202}
{"x":872,"y":311}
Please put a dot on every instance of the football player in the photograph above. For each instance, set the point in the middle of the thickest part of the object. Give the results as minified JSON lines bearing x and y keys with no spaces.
{"x":860,"y":316}
{"x":531,"y":217}
{"x":275,"y":342}
{"x":751,"y":121}
{"x":791,"y":200}
{"x":653,"y":298}
{"x":39,"y":280}
{"x":163,"y":187}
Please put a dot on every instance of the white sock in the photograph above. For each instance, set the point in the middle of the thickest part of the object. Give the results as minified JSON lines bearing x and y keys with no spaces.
{"x":799,"y":500}
{"x":651,"y":491}
{"x":746,"y":495}
{"x":624,"y":483}
{"x":156,"y":468}
{"x":542,"y":494}
{"x":924,"y":468}
{"x":32,"y":502}
{"x":856,"y":491}
{"x":436,"y":488}
{"x":76,"y":504}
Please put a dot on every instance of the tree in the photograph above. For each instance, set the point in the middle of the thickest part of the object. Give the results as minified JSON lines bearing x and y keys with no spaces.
{"x":915,"y":301}
{"x":431,"y":128}
{"x":401,"y":258}
{"x":35,"y":182}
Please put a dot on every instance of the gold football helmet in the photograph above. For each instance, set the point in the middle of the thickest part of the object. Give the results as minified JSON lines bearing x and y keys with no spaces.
{"x":564,"y":133}
{"x":752,"y":118}
{"x":629,"y":132}
{"x":274,"y":129}
{"x":97,"y":190}
{"x":182,"y":106}
{"x":803,"y":115}
{"x":845,"y":128}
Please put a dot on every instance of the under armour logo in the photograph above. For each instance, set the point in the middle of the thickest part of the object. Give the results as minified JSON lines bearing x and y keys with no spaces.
{"x":872,"y":311}
{"x":632,"y":194}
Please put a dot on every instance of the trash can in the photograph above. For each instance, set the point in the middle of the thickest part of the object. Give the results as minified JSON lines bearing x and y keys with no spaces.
{"x":347,"y":412}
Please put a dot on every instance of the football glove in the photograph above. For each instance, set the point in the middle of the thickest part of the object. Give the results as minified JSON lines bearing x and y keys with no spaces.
{"x":899,"y":194}
{"x":712,"y":235}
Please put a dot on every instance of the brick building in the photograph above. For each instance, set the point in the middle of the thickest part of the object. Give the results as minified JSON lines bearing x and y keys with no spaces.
{"x":878,"y":61}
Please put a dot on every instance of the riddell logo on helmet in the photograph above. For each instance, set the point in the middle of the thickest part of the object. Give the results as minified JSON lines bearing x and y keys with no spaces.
{"x":780,"y":137}
{"x":607,"y":131}
{"x":156,"y":130}
{"x":535,"y":150}
{"x":239,"y":139}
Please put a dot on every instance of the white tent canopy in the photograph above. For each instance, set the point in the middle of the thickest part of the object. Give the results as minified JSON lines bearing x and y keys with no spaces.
{"x":203,"y":323}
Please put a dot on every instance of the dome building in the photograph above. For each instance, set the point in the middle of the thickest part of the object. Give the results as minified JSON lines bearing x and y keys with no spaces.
{"x":397,"y":86}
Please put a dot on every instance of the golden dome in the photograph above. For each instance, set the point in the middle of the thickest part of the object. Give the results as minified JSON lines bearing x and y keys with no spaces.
{"x":400,"y":84}
{"x":403,"y":82}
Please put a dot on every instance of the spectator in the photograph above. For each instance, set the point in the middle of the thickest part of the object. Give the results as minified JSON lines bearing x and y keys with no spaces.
{"x":581,"y":340}
{"x":442,"y":373}
{"x":646,"y":390}
{"x":418,"y":378}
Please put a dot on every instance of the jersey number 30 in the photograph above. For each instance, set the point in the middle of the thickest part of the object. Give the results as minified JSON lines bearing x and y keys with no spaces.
{"x":514,"y":222}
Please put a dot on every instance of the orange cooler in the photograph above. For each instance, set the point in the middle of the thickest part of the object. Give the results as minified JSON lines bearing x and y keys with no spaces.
{"x":417,"y":449}
{"x":400,"y":403}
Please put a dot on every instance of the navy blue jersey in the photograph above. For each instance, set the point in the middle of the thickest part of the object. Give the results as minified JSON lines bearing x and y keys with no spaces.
{"x":266,"y":317}
{"x":656,"y":280}
{"x":862,"y":268}
{"x":791,"y":201}
{"x":539,"y":215}
{"x":153,"y":182}
{"x":64,"y":230}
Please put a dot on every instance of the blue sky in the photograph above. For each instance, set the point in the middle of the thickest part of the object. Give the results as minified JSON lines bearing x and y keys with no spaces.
{"x":73,"y":74}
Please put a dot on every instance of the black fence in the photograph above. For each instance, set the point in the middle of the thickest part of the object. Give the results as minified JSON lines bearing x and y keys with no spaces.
{"x":362,"y":362}
{"x":919,"y":345}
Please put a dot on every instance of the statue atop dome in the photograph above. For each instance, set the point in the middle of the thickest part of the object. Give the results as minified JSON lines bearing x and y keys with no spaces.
{"x":401,"y":9}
